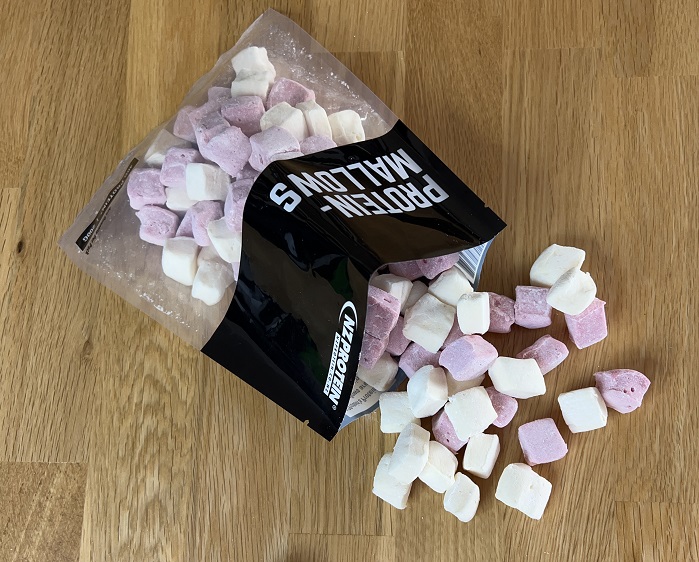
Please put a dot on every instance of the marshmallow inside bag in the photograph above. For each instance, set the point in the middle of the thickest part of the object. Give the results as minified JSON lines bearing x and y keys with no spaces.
{"x":470,"y":412}
{"x":177,"y":199}
{"x":553,"y":262}
{"x":372,"y":350}
{"x":450,"y":286}
{"x":573,"y":292}
{"x":211,"y":281}
{"x":253,"y":58}
{"x":316,"y":143}
{"x":382,"y":374}
{"x":408,"y":269}
{"x":481,"y":453}
{"x":252,"y":83}
{"x":428,"y":322}
{"x":583,"y":409}
{"x":473,"y":313}
{"x":441,"y":466}
{"x":395,"y":412}
{"x":383,"y":311}
{"x":157,"y":224}
{"x":316,"y":119}
{"x":410,"y":453}
{"x":417,"y":290}
{"x":228,"y":244}
{"x":289,"y":91}
{"x":454,"y":386}
{"x":462,"y":498}
{"x":287,"y":117}
{"x":399,"y":287}
{"x":346,"y":126}
{"x":523,"y":489}
{"x":179,"y":259}
{"x":183,"y":124}
{"x":431,"y":267}
{"x":163,"y":141}
{"x":244,"y":112}
{"x":269,"y":143}
{"x":206,"y":182}
{"x":519,"y":378}
{"x":144,"y":188}
{"x":388,"y":488}
{"x":427,"y":391}
{"x":397,"y":342}
{"x":208,"y":253}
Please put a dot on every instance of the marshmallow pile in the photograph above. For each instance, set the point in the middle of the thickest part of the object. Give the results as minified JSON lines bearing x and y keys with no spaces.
{"x":424,"y":318}
{"x":190,"y":198}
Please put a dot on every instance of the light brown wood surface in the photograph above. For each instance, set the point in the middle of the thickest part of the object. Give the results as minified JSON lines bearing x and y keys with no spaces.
{"x":577,"y":121}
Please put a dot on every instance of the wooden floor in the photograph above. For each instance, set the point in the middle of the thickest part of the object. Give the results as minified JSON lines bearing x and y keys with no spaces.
{"x":578,"y":121}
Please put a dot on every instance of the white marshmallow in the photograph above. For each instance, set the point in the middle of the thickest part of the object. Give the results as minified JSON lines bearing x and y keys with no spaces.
{"x":252,"y":83}
{"x":583,"y":410}
{"x":523,"y":489}
{"x":254,"y":59}
{"x":417,"y":291}
{"x":211,"y":281}
{"x":455,"y":386}
{"x":395,"y":412}
{"x":462,"y":498}
{"x":382,"y":374}
{"x":287,"y":117}
{"x":573,"y":292}
{"x":441,"y":465}
{"x":177,"y":199}
{"x":473,"y":313}
{"x":164,"y":141}
{"x":208,"y":253}
{"x":180,"y":259}
{"x":519,"y":378}
{"x":387,"y":487}
{"x":397,"y":286}
{"x":346,"y":127}
{"x":410,"y":453}
{"x":470,"y":412}
{"x":450,"y":286}
{"x":228,"y":244}
{"x":553,"y":262}
{"x":205,"y":182}
{"x":428,"y":322}
{"x":427,"y":391}
{"x":481,"y":452}
{"x":316,"y":118}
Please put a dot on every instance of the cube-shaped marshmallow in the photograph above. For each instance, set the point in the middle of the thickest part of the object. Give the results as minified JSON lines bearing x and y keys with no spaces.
{"x":157,"y":224}
{"x":502,"y":313}
{"x":431,"y":267}
{"x":505,"y":406}
{"x":409,"y":453}
{"x":346,"y":126}
{"x":622,"y":389}
{"x":252,"y":83}
{"x":316,"y":143}
{"x":573,"y":292}
{"x":211,"y":281}
{"x":427,"y":391}
{"x":541,"y":442}
{"x":589,"y":327}
{"x":162,"y":143}
{"x":206,"y":182}
{"x":468,"y":357}
{"x":473,"y":313}
{"x":408,"y":269}
{"x":177,"y":199}
{"x":382,"y":312}
{"x":172,"y":172}
{"x":399,"y":287}
{"x":583,"y":410}
{"x":269,"y":143}
{"x":372,"y":350}
{"x":441,"y":466}
{"x":548,"y":353}
{"x":218,"y":92}
{"x":144,"y":188}
{"x":428,"y":322}
{"x":397,"y":342}
{"x":444,"y":432}
{"x":316,"y":119}
{"x":382,"y":374}
{"x":230,"y":149}
{"x":470,"y":412}
{"x":228,"y":244}
{"x":415,"y":357}
{"x":553,"y":262}
{"x":208,"y":253}
{"x":287,"y":117}
{"x":244,"y":112}
{"x":252,"y":58}
{"x":519,"y":378}
{"x":523,"y":489}
{"x":481,"y":452}
{"x":289,"y":91}
{"x":417,"y":291}
{"x":234,"y":207}
{"x":207,"y":127}
{"x":531,"y":309}
{"x":450,"y":286}
{"x":462,"y":498}
{"x":183,"y":124}
{"x":388,"y":488}
{"x":201,"y":214}
{"x":179,"y":259}
{"x":395,"y":412}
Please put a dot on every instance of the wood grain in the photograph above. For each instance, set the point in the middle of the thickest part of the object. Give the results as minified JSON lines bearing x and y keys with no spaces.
{"x":575,"y":120}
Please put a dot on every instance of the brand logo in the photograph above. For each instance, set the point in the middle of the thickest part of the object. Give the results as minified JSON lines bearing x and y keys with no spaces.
{"x":347,"y":322}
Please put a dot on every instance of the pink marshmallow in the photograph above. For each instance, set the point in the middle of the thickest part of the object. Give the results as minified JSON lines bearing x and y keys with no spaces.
{"x":206,"y":128}
{"x":502,"y":313}
{"x":248,"y":173}
{"x":548,"y":353}
{"x":219,"y":92}
{"x":531,"y":309}
{"x":289,"y":91}
{"x":372,"y":350}
{"x":505,"y":406}
{"x":244,"y":112}
{"x":233,"y":208}
{"x":415,"y":357}
{"x":454,"y":334}
{"x":434,"y":266}
{"x":622,"y":389}
{"x":201,"y":214}
{"x":408,"y":269}
{"x":183,"y":125}
{"x":144,"y":188}
{"x":316,"y":143}
{"x":269,"y":143}
{"x":541,"y":442}
{"x":382,"y":312}
{"x":588,"y":327}
{"x":397,"y":342}
{"x":185,"y":228}
{"x":444,"y":433}
{"x":230,"y":150}
{"x":157,"y":224}
{"x":174,"y":164}
{"x":468,"y":357}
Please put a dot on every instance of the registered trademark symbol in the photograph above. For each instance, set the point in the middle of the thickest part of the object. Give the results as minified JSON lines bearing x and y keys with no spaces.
{"x":334,"y":407}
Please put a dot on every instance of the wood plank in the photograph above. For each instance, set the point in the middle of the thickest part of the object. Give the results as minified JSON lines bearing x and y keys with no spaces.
{"x":339,"y":548}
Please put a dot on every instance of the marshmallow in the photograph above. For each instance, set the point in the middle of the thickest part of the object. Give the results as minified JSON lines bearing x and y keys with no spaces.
{"x":408,"y":269}
{"x":541,"y":442}
{"x":382,"y":312}
{"x":372,"y":350}
{"x":454,"y":334}
{"x":450,"y":286}
{"x":289,"y":91}
{"x":470,"y":411}
{"x":230,"y":150}
{"x":234,"y":207}
{"x":428,"y":322}
{"x":316,"y":143}
{"x":481,"y":452}
{"x":519,"y":378}
{"x":583,"y":410}
{"x":144,"y":188}
{"x":179,"y":259}
{"x":523,"y":489}
{"x":163,"y":142}
{"x":417,"y":291}
{"x":502,"y":314}
{"x":207,"y":127}
{"x":573,"y":292}
{"x":218,"y":92}
{"x":185,"y":228}
{"x":462,"y":498}
{"x":388,"y":488}
{"x":244,"y":112}
{"x":505,"y":406}
{"x":431,"y":267}
{"x":206,"y":182}
{"x":531,"y":309}
{"x":285,"y":156}
{"x":157,"y":224}
{"x":395,"y":412}
{"x":208,"y":253}
{"x":269,"y":143}
{"x":427,"y":391}
{"x":252,"y":83}
{"x":588,"y":327}
{"x":553,"y":262}
{"x":444,"y":432}
{"x":454,"y":386}
{"x":622,"y":389}
{"x":441,"y":465}
{"x":473,"y":313}
{"x":252,"y":58}
{"x":248,"y":173}
{"x":346,"y":127}
{"x":382,"y":374}
{"x":211,"y":281}
{"x":174,"y":164}
{"x":177,"y":199}
{"x":183,"y":124}
{"x":399,"y":287}
{"x":287,"y":117}
{"x":468,"y":357}
{"x":548,"y":353}
{"x":200,"y":215}
{"x":316,"y":119}
{"x":228,"y":244}
{"x":415,"y":357}
{"x":410,"y":453}
{"x":397,"y":342}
